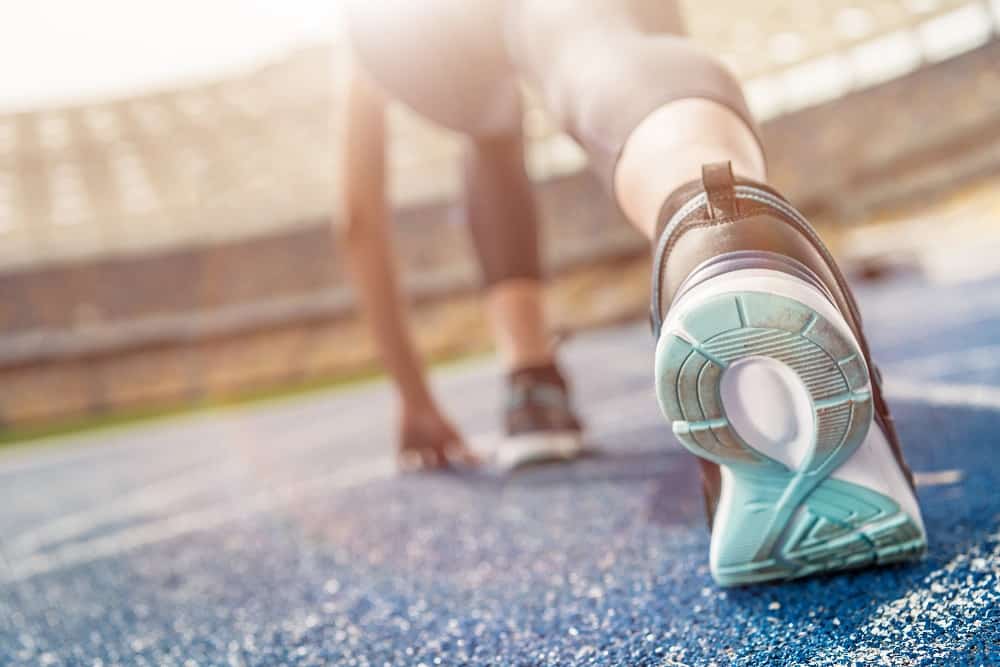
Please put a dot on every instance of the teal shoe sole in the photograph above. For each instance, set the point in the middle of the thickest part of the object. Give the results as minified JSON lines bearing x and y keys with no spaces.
{"x":776,"y":522}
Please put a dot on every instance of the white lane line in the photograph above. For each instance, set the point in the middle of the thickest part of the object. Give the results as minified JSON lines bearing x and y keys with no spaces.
{"x":948,"y":394}
{"x":199,"y":520}
{"x":163,"y":494}
{"x":5,"y":570}
{"x":159,"y":496}
{"x":976,"y":359}
{"x":152,"y":498}
{"x":938,"y":477}
{"x":890,"y":311}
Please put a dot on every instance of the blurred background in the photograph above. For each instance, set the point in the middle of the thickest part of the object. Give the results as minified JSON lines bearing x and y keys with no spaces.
{"x":168,"y":174}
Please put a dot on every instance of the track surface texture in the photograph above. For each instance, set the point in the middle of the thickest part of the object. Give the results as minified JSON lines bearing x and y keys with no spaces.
{"x":281,"y":535}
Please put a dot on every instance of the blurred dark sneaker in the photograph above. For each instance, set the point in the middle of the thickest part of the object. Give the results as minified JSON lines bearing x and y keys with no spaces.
{"x":763,"y":370}
{"x":540,"y":423}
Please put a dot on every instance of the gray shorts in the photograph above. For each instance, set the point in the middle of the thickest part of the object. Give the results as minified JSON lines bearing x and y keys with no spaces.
{"x":601,"y":66}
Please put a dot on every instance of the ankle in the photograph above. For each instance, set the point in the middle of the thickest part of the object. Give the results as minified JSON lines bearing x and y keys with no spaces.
{"x":645,"y":178}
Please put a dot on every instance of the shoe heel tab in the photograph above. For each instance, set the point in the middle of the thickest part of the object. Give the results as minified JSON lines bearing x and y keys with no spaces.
{"x":720,"y":186}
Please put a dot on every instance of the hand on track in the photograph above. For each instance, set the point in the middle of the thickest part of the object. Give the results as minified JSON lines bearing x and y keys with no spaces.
{"x":428,"y":441}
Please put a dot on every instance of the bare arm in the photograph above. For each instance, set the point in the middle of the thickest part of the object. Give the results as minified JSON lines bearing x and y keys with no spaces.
{"x":427,"y":438}
{"x":368,"y":240}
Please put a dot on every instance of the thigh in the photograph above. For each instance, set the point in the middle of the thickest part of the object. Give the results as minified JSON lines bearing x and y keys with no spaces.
{"x":576,"y":52}
{"x":443,"y":58}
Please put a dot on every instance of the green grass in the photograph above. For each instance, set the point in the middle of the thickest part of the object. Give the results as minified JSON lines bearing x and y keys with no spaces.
{"x":35,"y":435}
{"x":32,"y":434}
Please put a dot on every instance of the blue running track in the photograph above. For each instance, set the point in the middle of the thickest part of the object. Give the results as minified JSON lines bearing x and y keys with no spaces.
{"x":279,"y":534}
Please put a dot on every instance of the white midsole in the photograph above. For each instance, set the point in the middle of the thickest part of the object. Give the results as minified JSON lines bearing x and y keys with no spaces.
{"x":514,"y":451}
{"x":872,"y":465}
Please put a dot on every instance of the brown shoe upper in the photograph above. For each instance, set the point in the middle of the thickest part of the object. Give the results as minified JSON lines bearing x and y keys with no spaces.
{"x":732,"y":224}
{"x":720,"y":215}
{"x":538,"y":401}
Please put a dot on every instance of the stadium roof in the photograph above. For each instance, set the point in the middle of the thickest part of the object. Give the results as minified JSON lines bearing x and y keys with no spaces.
{"x":179,"y":134}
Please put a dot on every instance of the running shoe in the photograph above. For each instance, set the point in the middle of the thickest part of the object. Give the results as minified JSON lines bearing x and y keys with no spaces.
{"x":540,"y":423}
{"x":764,"y":373}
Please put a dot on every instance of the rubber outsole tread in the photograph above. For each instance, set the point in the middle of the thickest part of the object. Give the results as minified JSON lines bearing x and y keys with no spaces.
{"x":780,"y":523}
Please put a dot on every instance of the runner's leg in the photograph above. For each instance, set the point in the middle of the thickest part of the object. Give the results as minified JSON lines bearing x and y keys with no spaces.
{"x":447,"y":60}
{"x":503,"y":221}
{"x":647,"y":105}
{"x":740,"y":281}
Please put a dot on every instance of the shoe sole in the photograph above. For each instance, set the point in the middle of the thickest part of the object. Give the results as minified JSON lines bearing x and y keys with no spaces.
{"x":536,"y":448}
{"x":802,"y":397}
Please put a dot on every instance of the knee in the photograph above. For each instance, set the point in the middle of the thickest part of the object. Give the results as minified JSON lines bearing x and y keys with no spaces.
{"x":641,"y":70}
